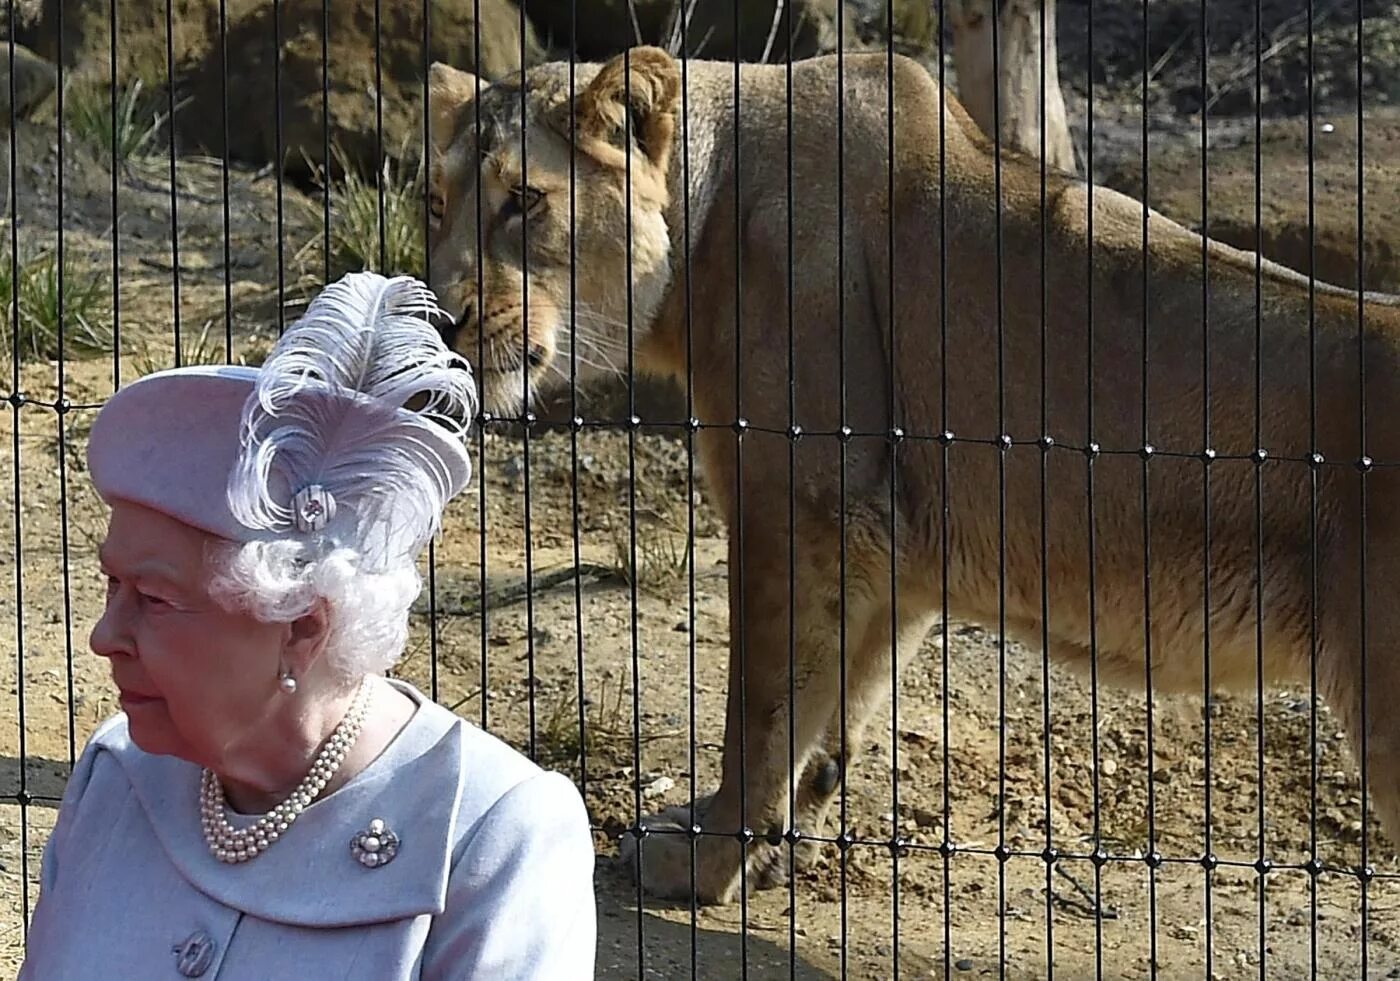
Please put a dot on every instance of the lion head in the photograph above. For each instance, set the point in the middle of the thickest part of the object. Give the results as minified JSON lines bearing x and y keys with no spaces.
{"x":534,"y":185}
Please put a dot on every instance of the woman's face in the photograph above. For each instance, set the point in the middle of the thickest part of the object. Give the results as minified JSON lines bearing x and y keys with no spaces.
{"x":196,"y":681}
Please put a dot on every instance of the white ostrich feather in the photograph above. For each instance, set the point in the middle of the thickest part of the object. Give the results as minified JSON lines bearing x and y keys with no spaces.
{"x":361,"y":397}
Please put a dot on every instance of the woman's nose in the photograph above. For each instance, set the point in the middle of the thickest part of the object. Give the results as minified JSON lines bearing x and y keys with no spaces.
{"x":109,"y":636}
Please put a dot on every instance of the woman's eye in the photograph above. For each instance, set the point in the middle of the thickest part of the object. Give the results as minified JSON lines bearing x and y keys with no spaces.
{"x":146,"y":599}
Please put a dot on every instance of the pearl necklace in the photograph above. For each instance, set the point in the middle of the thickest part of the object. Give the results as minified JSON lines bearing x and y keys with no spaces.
{"x":230,"y":844}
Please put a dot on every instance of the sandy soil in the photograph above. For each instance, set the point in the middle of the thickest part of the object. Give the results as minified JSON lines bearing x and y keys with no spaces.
{"x":648,"y":660}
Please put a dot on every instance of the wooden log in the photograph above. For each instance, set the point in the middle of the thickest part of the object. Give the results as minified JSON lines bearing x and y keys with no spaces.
{"x":1021,"y":51}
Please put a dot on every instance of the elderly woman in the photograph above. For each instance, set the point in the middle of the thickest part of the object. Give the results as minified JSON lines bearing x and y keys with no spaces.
{"x":268,"y":804}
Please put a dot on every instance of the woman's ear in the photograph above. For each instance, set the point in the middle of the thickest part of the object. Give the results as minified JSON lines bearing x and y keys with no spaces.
{"x":305,"y":639}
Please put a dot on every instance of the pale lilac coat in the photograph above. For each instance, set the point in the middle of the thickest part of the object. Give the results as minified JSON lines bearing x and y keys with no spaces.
{"x":493,"y":878}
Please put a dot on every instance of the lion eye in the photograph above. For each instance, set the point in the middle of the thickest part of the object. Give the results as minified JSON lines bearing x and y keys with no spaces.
{"x":525,"y":199}
{"x":436,"y":206}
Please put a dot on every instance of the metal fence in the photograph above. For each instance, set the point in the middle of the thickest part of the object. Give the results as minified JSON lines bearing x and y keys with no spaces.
{"x":970,"y":477}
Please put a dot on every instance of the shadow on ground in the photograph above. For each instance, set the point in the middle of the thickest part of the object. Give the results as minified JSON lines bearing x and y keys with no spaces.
{"x":715,"y":944}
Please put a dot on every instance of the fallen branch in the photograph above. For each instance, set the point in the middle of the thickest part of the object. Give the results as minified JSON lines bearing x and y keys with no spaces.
{"x":518,"y":591}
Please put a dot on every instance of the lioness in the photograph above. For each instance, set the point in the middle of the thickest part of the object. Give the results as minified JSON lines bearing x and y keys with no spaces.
{"x":896,"y":397}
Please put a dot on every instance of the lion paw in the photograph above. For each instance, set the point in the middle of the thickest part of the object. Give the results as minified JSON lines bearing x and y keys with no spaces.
{"x":771,"y":866}
{"x":666,"y":858}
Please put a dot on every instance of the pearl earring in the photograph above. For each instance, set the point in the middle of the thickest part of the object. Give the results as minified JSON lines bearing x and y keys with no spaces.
{"x":287,"y":683}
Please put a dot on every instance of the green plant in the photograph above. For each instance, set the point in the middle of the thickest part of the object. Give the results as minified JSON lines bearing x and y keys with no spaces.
{"x":206,"y":348}
{"x":662,"y":554}
{"x":606,"y":731}
{"x":52,"y":305}
{"x":358,"y":238}
{"x":129,"y":131}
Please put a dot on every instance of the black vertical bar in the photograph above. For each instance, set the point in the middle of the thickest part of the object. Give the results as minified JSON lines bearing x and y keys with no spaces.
{"x":116,"y":207}
{"x":795,"y":767}
{"x":895,"y":437}
{"x":1365,"y":872}
{"x":62,"y":407}
{"x":1091,"y":452}
{"x":1261,"y":864}
{"x":326,"y":130}
{"x":483,"y":558}
{"x":844,"y":838}
{"x":1207,"y":455}
{"x":17,"y":401}
{"x":378,"y":135}
{"x":174,"y":181}
{"x":945,"y":439}
{"x":1315,"y":459}
{"x":627,"y":138}
{"x":434,"y":636}
{"x":1046,"y":444}
{"x":692,"y":427}
{"x":794,"y":433}
{"x":576,"y":421}
{"x":1152,"y":859}
{"x":527,"y":423}
{"x":739,"y":424}
{"x":223,"y":176}
{"x":1003,"y":447}
{"x":277,"y":164}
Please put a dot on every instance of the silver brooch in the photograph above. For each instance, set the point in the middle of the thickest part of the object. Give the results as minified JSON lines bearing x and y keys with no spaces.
{"x":313,"y":507}
{"x":375,"y":846}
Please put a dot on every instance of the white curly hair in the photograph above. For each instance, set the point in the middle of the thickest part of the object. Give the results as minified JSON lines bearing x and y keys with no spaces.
{"x":358,"y":413}
{"x":279,"y":581}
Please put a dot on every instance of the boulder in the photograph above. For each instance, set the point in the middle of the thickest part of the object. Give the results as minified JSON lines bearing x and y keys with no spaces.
{"x":78,"y":33}
{"x":247,"y":46}
{"x":605,"y":27}
{"x":34,"y":80}
{"x":373,"y":92}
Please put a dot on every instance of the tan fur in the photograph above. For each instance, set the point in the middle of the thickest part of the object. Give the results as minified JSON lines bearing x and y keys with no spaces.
{"x":915,"y":505}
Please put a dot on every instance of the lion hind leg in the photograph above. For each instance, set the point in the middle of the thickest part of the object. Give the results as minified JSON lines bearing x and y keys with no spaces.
{"x":1366,"y":705}
{"x":869,"y":679}
{"x":784,"y":689}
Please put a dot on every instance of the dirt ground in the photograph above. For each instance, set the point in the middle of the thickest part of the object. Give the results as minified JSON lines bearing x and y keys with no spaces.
{"x":649,"y":660}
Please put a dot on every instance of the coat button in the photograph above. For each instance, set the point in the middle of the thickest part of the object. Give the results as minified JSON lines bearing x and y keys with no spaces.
{"x":195,"y":955}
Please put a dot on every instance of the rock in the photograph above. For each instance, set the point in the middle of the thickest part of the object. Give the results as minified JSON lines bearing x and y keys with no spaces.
{"x":35,"y":79}
{"x":712,"y":33}
{"x":925,"y":818}
{"x":1325,"y":242}
{"x":914,"y":23}
{"x":356,"y":119}
{"x":657,"y":787}
{"x":140,"y":48}
{"x":250,"y":34}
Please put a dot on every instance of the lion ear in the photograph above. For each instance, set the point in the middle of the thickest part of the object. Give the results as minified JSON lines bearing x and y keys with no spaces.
{"x":449,"y":89}
{"x":639,"y":89}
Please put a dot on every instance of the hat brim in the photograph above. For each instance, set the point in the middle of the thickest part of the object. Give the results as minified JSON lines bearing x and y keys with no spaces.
{"x":169,"y":442}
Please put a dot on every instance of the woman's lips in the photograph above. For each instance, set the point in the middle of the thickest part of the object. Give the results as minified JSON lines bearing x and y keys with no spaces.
{"x":131,"y":698}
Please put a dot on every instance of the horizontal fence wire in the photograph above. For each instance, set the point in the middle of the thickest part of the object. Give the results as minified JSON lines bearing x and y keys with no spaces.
{"x":936,"y":854}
